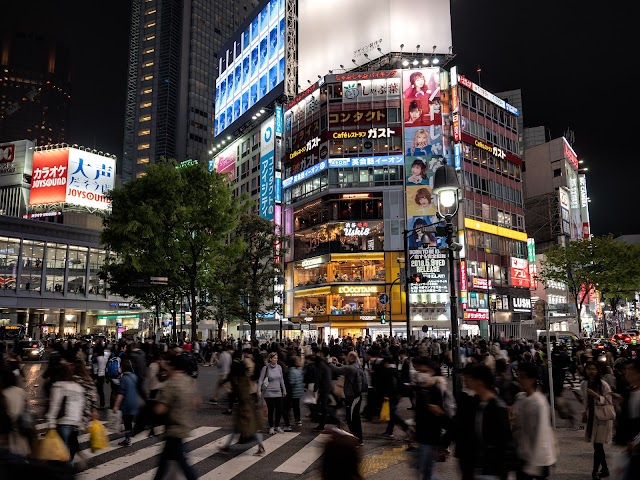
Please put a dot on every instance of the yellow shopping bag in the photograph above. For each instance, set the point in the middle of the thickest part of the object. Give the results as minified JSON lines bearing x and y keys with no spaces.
{"x":51,"y":447}
{"x":385,"y":411}
{"x":98,"y":437}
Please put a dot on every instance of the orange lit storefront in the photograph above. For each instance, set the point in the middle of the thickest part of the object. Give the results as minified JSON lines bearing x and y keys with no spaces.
{"x":339,"y":294}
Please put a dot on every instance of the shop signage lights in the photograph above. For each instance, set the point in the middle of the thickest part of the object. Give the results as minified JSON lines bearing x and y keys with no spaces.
{"x":360,"y":229}
{"x":357,"y":290}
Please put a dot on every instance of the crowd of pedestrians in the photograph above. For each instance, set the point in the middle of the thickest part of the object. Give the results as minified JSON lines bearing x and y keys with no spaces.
{"x":499,"y":423}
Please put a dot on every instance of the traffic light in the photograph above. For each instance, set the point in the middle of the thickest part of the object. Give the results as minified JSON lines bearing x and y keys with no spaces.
{"x":383,"y":317}
{"x":416,"y":278}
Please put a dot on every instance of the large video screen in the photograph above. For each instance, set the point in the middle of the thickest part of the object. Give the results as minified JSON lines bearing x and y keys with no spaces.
{"x":254,"y":69}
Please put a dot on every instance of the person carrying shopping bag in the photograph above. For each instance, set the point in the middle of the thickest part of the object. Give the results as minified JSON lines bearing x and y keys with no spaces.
{"x":66,"y":408}
{"x":127,"y":401}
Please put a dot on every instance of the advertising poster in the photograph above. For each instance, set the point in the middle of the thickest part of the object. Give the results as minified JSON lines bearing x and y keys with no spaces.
{"x":423,"y":148}
{"x":267,"y":169}
{"x":49,"y":177}
{"x":431,"y":263}
{"x":226,"y":162}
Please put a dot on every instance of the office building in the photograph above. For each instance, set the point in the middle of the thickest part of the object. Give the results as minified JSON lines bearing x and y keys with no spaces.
{"x":171,"y":83}
{"x":34,"y":89}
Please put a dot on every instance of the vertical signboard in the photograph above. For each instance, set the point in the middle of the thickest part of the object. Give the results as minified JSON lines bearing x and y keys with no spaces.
{"x":584,"y":207}
{"x":423,"y":147}
{"x":431,"y":263}
{"x":531,"y":257}
{"x":463,"y":283}
{"x":563,"y":199}
{"x":574,"y":203}
{"x":519,"y":273}
{"x":279,"y":121}
{"x":267,"y":169}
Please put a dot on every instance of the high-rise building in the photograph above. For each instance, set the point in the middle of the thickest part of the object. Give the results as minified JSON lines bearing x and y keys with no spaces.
{"x":34,"y":89}
{"x":171,"y":83}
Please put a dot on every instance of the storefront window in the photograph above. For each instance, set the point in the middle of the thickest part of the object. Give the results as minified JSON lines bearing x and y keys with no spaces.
{"x":9,"y":251}
{"x":56,"y":261}
{"x":77,"y":269}
{"x":344,"y":300}
{"x":96,"y":261}
{"x":355,"y":236}
{"x":306,"y":274}
{"x":32,"y":259}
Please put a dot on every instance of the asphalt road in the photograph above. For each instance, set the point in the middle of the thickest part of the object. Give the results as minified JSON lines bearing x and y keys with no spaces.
{"x":289,"y":455}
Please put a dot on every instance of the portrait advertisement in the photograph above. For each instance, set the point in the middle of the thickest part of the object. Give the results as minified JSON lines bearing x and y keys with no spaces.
{"x":423,"y":141}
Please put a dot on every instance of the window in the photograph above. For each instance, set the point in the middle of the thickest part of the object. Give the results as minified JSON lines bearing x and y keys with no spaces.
{"x":143,"y":161}
{"x":147,"y":64}
{"x":147,"y":90}
{"x":150,"y":12}
{"x":145,"y":118}
{"x":150,"y":24}
{"x":144,"y":132}
{"x":149,"y":50}
{"x":143,"y":146}
{"x":56,"y":261}
{"x":147,"y":77}
{"x":557,"y":172}
{"x":149,"y":37}
{"x":145,"y":105}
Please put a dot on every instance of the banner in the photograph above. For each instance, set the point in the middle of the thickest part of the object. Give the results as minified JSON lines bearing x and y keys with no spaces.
{"x":519,"y":273}
{"x":267,"y":169}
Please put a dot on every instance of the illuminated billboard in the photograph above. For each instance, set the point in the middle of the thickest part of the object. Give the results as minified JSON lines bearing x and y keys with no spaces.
{"x":423,"y":146}
{"x":331,"y":34}
{"x":252,"y":67}
{"x":73,"y":176}
{"x":226,"y":162}
{"x":15,"y":162}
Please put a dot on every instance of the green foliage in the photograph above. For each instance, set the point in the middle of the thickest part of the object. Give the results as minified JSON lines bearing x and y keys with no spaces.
{"x":169,"y":223}
{"x":601,"y":263}
{"x":254,"y":273}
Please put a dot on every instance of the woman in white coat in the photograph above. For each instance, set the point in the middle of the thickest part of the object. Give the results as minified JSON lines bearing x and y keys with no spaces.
{"x":596,"y":399}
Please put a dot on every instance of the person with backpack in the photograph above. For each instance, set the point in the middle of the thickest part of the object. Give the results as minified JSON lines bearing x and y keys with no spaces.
{"x":127,"y":401}
{"x":113,"y":372}
{"x":354,"y":385}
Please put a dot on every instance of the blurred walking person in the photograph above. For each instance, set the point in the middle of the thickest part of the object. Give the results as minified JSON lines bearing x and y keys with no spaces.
{"x":127,"y":401}
{"x":535,"y":440}
{"x":177,"y":400}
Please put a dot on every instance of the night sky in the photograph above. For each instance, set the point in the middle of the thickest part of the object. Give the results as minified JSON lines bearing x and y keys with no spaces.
{"x":562,"y":54}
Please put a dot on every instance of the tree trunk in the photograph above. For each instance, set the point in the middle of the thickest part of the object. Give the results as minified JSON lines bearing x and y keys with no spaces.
{"x":174,"y":326}
{"x":254,"y":326}
{"x":194,"y":319}
{"x":579,"y":318}
{"x":220,"y":325}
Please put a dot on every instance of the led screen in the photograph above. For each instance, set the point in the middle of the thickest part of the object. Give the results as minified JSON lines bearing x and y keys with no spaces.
{"x":256,"y":70}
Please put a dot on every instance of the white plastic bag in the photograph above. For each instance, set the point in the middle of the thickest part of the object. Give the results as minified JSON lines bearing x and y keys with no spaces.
{"x":309,"y":397}
{"x":114,"y":420}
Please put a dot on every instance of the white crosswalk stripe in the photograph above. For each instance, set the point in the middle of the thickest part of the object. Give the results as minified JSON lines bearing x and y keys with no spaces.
{"x":81,"y":438}
{"x":239,"y":464}
{"x":305,"y":457}
{"x":113,"y":445}
{"x":194,"y":456}
{"x":120,"y":463}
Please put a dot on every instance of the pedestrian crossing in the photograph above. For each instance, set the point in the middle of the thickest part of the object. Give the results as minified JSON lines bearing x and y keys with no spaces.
{"x":287,"y":453}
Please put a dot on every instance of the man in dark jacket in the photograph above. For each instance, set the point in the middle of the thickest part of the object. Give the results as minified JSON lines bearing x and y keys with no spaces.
{"x":387,"y":387}
{"x":139,"y":366}
{"x":353,"y":382}
{"x":323,"y":386}
{"x":484,"y":444}
{"x":628,"y":419}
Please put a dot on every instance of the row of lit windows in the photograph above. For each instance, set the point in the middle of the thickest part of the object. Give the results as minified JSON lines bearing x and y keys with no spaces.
{"x":486,"y":213}
{"x":144,"y":132}
{"x":487,"y":160}
{"x":143,"y":161}
{"x":145,"y":118}
{"x":483,"y":107}
{"x":493,"y":189}
{"x":490,"y":243}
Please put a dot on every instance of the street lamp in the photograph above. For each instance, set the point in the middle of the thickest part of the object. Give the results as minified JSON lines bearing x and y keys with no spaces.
{"x":447,"y":187}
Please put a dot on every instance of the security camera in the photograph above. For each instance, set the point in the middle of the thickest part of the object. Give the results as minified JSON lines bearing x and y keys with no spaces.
{"x":455,"y":247}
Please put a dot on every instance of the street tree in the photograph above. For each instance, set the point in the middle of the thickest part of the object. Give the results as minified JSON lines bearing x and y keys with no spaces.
{"x":256,"y":274}
{"x":619,"y":277}
{"x":174,"y":223}
{"x":575,"y":265}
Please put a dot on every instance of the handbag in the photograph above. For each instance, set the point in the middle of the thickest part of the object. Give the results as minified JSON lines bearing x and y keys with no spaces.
{"x":114,"y":420}
{"x":385,"y":411}
{"x":605,"y":413}
{"x":265,"y":382}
